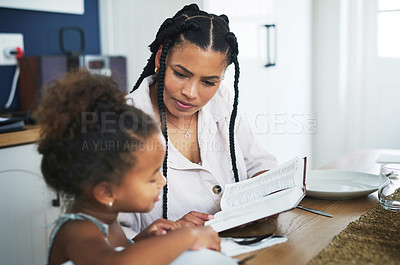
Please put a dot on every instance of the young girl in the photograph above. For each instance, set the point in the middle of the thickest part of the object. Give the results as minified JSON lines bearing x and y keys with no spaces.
{"x":105,"y":156}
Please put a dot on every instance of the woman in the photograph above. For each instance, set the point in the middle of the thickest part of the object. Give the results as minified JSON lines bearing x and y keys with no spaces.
{"x":209,"y":142}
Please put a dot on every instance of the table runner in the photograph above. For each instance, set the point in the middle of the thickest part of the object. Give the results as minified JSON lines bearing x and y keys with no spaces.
{"x":373,"y":239}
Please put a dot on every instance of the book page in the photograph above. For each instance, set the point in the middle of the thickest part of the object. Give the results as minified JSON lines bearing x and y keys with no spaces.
{"x":276,"y":179}
{"x":263,"y":207}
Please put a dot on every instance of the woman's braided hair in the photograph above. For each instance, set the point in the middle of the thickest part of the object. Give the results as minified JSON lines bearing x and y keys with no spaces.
{"x":207,"y":31}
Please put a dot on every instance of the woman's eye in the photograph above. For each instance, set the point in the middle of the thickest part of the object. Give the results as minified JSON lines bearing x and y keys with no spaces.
{"x":153,"y":180}
{"x":209,"y":83}
{"x":179,"y":74}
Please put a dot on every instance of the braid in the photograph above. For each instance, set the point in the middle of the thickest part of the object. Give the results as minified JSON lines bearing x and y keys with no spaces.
{"x":167,"y":31}
{"x":231,"y":39}
{"x":147,"y":70}
{"x":174,"y":31}
{"x":224,"y":18}
{"x":150,"y":66}
{"x":191,"y":7}
{"x":232,"y":122}
{"x":161,"y":109}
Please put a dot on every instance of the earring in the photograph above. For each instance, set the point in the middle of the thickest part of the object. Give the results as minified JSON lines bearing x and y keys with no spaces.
{"x":155,"y":70}
{"x":110,"y":204}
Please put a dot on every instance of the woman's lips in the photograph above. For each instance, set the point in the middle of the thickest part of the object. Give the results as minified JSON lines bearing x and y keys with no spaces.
{"x":183,"y":105}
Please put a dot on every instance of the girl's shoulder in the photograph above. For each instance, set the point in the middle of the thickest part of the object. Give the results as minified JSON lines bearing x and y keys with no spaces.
{"x":79,"y":221}
{"x":82,"y":227}
{"x":71,"y":230}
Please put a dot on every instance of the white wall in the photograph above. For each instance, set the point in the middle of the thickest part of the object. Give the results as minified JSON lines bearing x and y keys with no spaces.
{"x":127,"y":27}
{"x":327,"y":143}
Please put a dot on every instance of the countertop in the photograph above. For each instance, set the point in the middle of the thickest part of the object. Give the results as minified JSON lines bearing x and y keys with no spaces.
{"x":30,"y":135}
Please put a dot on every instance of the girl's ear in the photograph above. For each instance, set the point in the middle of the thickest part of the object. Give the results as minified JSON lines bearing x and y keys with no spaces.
{"x":103,"y":193}
{"x":158,"y":56}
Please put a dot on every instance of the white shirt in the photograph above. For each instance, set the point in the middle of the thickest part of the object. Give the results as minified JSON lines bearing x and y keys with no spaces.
{"x":190,"y":185}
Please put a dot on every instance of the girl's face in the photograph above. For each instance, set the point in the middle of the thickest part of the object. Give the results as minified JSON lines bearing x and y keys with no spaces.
{"x":192,"y":78}
{"x":141,"y":186}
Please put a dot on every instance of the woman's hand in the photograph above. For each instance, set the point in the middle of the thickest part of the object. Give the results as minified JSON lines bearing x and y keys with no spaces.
{"x":205,"y":237}
{"x":194,"y":218}
{"x":157,"y":228}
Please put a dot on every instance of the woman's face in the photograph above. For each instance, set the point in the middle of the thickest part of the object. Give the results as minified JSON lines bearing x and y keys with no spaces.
{"x":192,"y":78}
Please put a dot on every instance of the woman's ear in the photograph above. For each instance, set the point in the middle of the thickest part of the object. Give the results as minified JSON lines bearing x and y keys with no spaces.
{"x":103,"y":193}
{"x":158,"y":56}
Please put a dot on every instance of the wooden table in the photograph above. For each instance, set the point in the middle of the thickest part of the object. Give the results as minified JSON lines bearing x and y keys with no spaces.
{"x":309,"y":233}
{"x":30,"y":135}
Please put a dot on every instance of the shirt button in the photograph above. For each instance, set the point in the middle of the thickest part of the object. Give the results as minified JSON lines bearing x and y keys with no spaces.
{"x":217,"y":189}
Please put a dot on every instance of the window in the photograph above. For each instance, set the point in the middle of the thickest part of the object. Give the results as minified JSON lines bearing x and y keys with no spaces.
{"x":389,"y":28}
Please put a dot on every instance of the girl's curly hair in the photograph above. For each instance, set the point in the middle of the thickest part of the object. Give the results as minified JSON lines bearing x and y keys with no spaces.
{"x":89,"y":134}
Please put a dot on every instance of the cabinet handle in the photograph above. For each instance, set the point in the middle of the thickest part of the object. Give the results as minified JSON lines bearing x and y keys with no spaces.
{"x":271,"y":44}
{"x":56,"y":202}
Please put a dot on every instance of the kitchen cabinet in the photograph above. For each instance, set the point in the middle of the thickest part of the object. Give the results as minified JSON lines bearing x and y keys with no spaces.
{"x":25,"y":207}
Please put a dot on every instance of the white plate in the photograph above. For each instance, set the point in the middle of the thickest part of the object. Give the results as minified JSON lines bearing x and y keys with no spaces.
{"x":338,"y":184}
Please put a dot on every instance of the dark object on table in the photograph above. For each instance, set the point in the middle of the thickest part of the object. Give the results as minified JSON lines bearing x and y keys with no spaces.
{"x":11,"y":124}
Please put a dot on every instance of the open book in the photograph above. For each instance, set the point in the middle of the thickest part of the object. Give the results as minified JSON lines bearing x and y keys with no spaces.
{"x":277,"y":190}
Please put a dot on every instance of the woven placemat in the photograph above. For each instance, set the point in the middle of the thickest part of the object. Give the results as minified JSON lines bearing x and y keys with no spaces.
{"x":373,"y":239}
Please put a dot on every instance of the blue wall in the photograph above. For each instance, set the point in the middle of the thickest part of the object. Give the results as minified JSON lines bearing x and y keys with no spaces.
{"x":41,"y":36}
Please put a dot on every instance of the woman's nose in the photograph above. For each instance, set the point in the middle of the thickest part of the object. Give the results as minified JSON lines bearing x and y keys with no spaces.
{"x":190,"y":90}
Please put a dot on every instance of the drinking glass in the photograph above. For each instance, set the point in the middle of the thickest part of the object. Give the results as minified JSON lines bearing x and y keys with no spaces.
{"x":389,"y":187}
